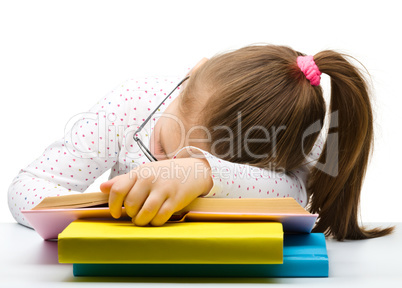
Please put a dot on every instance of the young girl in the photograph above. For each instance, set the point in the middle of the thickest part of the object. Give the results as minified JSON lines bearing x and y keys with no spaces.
{"x":246,"y":123}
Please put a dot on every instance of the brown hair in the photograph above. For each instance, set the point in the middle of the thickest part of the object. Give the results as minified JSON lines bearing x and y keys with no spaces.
{"x":262,"y":86}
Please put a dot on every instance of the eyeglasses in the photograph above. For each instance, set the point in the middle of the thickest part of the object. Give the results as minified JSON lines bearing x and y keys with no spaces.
{"x":138,"y":140}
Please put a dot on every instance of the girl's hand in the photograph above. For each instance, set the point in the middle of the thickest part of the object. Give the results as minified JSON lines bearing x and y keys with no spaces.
{"x":152,"y":192}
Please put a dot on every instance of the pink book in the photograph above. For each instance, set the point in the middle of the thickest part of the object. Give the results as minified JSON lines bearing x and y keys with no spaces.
{"x":294,"y":218}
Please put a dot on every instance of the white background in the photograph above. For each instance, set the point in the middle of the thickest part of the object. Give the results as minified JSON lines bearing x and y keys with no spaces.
{"x":57,"y":58}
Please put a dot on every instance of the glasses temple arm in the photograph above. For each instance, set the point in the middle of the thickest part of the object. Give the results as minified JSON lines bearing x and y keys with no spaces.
{"x":156,"y":109}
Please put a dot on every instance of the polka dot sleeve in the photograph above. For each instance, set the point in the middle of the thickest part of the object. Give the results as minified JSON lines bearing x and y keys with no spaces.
{"x":232,"y":180}
{"x":71,"y":164}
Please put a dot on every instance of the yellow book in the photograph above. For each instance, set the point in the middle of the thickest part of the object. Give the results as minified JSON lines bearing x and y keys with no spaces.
{"x":117,"y":241}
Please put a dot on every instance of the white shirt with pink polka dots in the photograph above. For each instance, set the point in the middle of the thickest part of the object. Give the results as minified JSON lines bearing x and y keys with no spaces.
{"x":102,"y":139}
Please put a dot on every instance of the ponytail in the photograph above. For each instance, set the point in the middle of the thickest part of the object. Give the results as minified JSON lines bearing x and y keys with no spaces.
{"x":336,"y":197}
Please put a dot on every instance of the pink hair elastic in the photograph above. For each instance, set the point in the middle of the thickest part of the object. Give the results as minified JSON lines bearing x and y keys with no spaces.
{"x":309,"y":69}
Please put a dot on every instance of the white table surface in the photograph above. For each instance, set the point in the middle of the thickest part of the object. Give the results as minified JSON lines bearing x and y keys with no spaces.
{"x":29,"y":261}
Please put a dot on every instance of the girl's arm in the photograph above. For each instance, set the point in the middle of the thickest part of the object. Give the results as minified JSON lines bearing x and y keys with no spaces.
{"x":71,"y":164}
{"x":232,"y":180}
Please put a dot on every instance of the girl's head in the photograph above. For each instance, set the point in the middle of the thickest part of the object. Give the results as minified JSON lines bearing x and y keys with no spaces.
{"x":257,"y":107}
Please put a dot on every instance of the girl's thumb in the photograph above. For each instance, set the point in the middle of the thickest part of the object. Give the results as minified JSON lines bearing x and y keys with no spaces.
{"x":106,"y":186}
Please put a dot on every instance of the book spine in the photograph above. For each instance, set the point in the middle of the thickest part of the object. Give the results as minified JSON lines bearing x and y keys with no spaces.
{"x":314,"y":267}
{"x":173,"y":250}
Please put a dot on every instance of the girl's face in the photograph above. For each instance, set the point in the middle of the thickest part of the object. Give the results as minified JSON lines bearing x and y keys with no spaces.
{"x":173,"y":132}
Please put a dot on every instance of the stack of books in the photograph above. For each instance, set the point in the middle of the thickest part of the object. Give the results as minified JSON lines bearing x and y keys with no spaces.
{"x":209,"y":238}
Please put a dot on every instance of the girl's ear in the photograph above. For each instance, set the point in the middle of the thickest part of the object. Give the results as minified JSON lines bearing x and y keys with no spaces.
{"x":197,"y":66}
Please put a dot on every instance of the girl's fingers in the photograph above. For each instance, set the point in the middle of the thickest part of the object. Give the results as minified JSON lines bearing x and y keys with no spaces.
{"x":118,"y":193}
{"x":135,"y":199}
{"x":164,"y":213}
{"x":150,"y":208}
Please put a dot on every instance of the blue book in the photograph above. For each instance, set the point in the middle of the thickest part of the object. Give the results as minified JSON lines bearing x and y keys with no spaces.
{"x":304,"y":255}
